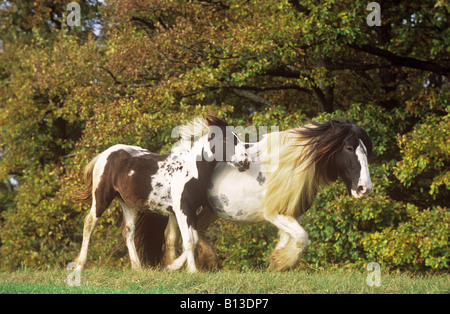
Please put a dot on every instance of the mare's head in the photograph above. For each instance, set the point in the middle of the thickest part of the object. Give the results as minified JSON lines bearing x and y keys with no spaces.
{"x":340,"y":148}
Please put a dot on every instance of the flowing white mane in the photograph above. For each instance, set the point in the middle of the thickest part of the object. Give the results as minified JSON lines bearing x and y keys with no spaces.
{"x":291,"y":185}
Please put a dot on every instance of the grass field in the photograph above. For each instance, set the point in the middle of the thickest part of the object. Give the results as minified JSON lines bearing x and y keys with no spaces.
{"x":97,"y":280}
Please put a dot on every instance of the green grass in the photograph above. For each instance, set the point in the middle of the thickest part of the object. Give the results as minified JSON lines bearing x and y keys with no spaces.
{"x":97,"y":280}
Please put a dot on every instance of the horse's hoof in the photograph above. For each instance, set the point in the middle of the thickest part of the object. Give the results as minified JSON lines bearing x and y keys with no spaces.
{"x":174,"y":266}
{"x":285,"y":258}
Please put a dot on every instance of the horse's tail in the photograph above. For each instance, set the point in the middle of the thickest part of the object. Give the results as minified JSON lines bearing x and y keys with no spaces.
{"x":149,"y":237}
{"x":85,"y":193}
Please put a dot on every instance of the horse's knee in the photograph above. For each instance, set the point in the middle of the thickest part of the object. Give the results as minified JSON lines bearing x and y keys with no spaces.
{"x":89,"y":224}
{"x":190,"y":243}
{"x":128,"y":230}
{"x":302,"y":239}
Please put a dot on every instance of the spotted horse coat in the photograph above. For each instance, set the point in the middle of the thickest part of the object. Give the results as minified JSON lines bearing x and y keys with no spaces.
{"x":281,"y":185}
{"x":173,"y":184}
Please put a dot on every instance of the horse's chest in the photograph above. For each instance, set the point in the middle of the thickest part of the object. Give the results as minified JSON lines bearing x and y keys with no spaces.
{"x":160,"y":198}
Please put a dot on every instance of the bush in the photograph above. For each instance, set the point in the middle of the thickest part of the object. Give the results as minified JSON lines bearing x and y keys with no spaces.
{"x":338,"y":224}
{"x":421,"y":241}
{"x":243,"y":246}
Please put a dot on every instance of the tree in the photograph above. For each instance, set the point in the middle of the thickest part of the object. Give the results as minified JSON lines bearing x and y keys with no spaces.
{"x":137,"y":68}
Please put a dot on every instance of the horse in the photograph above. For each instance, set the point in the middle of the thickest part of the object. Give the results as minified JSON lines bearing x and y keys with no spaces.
{"x":173,"y":184}
{"x":281,"y":185}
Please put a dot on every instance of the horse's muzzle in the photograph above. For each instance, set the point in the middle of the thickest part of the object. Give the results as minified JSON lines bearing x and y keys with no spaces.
{"x":362,"y":190}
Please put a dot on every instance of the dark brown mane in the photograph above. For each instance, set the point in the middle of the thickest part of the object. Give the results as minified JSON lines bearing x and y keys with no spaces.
{"x":327,"y":138}
{"x":214,"y":120}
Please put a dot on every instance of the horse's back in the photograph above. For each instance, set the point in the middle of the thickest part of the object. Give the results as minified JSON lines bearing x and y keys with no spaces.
{"x":125,"y":171}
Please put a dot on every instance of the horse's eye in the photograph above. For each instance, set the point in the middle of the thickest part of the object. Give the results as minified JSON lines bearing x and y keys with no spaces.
{"x":350,"y":149}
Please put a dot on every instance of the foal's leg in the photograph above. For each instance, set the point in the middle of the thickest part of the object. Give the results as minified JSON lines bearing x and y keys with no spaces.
{"x":89,"y":225}
{"x":128,"y":228}
{"x":205,"y":256}
{"x":189,"y":236}
{"x":293,"y":242}
{"x":172,"y":237}
{"x":102,"y":196}
{"x":190,"y":240}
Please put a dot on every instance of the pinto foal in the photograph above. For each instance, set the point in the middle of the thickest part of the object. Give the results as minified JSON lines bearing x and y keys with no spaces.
{"x":174,"y":184}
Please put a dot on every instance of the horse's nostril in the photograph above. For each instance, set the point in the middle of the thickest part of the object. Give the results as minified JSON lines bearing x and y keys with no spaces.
{"x":361,"y":188}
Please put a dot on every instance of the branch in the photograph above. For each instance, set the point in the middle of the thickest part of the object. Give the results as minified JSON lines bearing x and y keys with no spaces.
{"x":252,"y":97}
{"x":162,"y":22}
{"x":283,"y":72}
{"x":53,"y":12}
{"x":110,"y":74}
{"x":354,"y":66}
{"x":403,"y":61}
{"x":223,"y":5}
{"x":325,"y":97}
{"x":269,"y":88}
{"x":117,"y":82}
{"x":244,"y":91}
{"x":150,"y":25}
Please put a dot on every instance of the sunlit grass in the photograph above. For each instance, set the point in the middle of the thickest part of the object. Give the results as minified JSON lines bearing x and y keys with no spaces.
{"x":99,"y":280}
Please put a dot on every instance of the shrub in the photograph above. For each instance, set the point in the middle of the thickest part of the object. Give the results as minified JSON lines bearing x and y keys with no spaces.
{"x":419,"y":242}
{"x":243,"y":247}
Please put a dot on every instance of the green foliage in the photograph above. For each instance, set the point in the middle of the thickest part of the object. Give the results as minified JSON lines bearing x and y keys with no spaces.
{"x":243,"y":247}
{"x":421,"y":241}
{"x":134,"y":70}
{"x":426,"y":148}
{"x":339,"y":223}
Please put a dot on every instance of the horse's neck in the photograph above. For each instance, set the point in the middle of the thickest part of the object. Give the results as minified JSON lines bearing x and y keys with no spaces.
{"x":195,"y":155}
{"x":257,"y":152}
{"x":187,"y":150}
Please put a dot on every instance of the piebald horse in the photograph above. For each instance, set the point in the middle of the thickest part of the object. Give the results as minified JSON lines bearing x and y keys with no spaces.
{"x":174,"y":184}
{"x":281,"y":185}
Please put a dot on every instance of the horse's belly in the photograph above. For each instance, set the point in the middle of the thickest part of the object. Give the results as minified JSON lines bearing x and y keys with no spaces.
{"x":235,"y":195}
